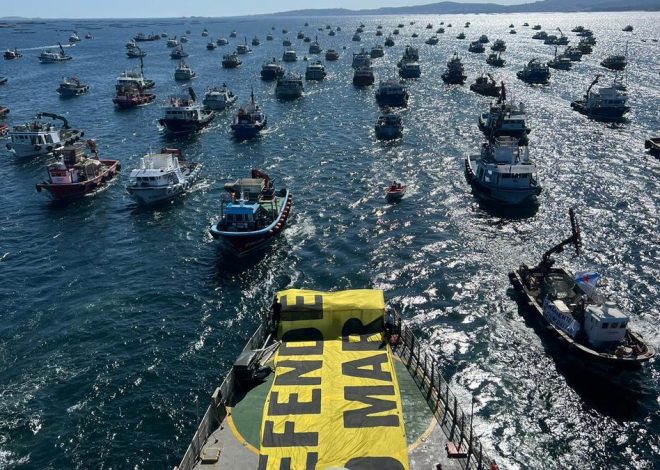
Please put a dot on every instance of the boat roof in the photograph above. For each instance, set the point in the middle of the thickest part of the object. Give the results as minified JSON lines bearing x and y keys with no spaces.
{"x":241,"y":208}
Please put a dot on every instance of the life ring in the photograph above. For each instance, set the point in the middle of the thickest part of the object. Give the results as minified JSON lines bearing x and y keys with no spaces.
{"x":37,"y":147}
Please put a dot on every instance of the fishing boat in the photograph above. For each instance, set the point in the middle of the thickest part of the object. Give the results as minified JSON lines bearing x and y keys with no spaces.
{"x":183,"y":72}
{"x":484,"y":39}
{"x":534,"y":72}
{"x":389,"y":125}
{"x":172,"y":42}
{"x":560,"y":62}
{"x":503,"y":173}
{"x":134,"y":79}
{"x":72,"y":86}
{"x":211,"y":46}
{"x":363,"y":76}
{"x":300,"y":35}
{"x":51,"y":57}
{"x":253,"y":214}
{"x":205,"y":32}
{"x":602,"y":104}
{"x":3,"y":80}
{"x":12,"y":54}
{"x":588,"y":329}
{"x":315,"y":71}
{"x":74,"y":37}
{"x":440,"y":31}
{"x":135,"y":53}
{"x":269,"y":37}
{"x":231,"y":61}
{"x":178,"y":53}
{"x":184,"y":39}
{"x":615,"y":62}
{"x":504,"y":118}
{"x":361,"y":59}
{"x":286,"y":42}
{"x":331,"y":55}
{"x":40,"y":137}
{"x":495,"y":59}
{"x":272,"y":70}
{"x":432,"y":41}
{"x":141,"y":37}
{"x":243,"y":48}
{"x":536,"y":27}
{"x":498,"y":46}
{"x":513,"y":31}
{"x":76,"y":175}
{"x":541,"y":35}
{"x":572,"y":53}
{"x":410,"y":70}
{"x":485,"y":85}
{"x":395,"y":192}
{"x":410,"y":54}
{"x":627,"y":28}
{"x":356,"y":37}
{"x":348,"y":370}
{"x":218,"y":98}
{"x":162,"y":177}
{"x":460,"y":36}
{"x":256,"y":41}
{"x":185,"y":114}
{"x":377,"y":52}
{"x":584,"y":47}
{"x":378,"y":32}
{"x":222,"y":41}
{"x":249,"y":121}
{"x":129,"y":96}
{"x":454,"y":73}
{"x":477,"y":47}
{"x":289,"y":55}
{"x":233,"y":34}
{"x":315,"y":47}
{"x":392,"y":93}
{"x":289,"y":87}
{"x":389,"y":42}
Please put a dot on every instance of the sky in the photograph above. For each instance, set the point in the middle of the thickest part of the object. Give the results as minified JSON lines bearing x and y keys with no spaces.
{"x":178,"y":8}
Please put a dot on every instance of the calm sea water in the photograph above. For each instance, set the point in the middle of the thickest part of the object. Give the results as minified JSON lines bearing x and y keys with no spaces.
{"x":116,"y":323}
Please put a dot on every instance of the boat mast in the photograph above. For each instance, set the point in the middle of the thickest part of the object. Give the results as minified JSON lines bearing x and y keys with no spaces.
{"x":574,"y":239}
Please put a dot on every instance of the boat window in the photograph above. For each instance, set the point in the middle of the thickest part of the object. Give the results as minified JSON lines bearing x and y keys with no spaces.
{"x":622,"y":325}
{"x":614,"y":325}
{"x":605,"y":325}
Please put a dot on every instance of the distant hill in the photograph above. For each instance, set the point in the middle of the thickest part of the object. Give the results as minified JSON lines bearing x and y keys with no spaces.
{"x":458,"y":8}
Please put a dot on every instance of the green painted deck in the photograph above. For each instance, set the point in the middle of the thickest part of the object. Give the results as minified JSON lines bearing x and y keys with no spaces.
{"x":248,"y":413}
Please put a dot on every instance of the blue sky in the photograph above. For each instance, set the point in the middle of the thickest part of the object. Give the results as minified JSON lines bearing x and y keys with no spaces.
{"x":176,"y":8}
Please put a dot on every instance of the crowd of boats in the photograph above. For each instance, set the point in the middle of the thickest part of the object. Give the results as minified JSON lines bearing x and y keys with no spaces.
{"x":254,"y":210}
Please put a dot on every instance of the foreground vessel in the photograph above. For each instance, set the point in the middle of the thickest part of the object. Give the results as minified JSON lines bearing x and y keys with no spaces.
{"x":334,"y":380}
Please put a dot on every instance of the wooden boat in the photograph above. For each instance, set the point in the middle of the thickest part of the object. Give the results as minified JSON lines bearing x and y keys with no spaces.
{"x":78,"y":175}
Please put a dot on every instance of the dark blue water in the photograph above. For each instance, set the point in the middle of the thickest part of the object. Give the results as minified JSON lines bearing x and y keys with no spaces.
{"x":116,"y":323}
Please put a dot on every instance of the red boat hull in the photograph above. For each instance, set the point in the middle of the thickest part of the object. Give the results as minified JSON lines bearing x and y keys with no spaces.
{"x":127,"y":102}
{"x":72,"y":191}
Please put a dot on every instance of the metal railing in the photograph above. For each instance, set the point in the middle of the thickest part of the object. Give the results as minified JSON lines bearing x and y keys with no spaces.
{"x":216,"y":411}
{"x":442,"y":402}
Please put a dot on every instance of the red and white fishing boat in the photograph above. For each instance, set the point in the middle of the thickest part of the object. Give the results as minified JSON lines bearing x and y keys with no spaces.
{"x":78,"y":175}
{"x":395,"y":192}
{"x":131,"y":97}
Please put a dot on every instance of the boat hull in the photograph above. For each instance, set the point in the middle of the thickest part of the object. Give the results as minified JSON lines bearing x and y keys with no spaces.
{"x":244,"y":243}
{"x":601,"y":113}
{"x":134,"y":101}
{"x":73,"y":191}
{"x":243,"y":132}
{"x":388,"y":133}
{"x":181,"y":126}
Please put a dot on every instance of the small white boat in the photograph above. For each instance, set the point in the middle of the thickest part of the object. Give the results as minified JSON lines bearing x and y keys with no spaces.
{"x":218,"y":98}
{"x":184,"y":72}
{"x":74,"y":37}
{"x":162,"y":177}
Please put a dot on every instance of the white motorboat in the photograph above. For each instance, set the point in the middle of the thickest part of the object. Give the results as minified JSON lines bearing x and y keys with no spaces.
{"x":289,"y":55}
{"x":218,"y":98}
{"x":183,"y":72}
{"x":162,"y":176}
{"x":315,"y":71}
{"x":503,"y":172}
{"x":289,"y":87}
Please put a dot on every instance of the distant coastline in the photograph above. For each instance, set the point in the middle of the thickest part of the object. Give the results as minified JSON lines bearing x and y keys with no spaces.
{"x":440,"y":8}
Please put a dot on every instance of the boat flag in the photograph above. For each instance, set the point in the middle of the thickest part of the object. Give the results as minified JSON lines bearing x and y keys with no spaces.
{"x":587,"y":278}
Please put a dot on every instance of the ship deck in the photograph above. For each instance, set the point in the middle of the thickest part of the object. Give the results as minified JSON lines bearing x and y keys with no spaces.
{"x":427,"y":424}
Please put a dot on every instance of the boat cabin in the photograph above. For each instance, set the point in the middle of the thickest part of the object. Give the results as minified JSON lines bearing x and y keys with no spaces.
{"x":604,"y":324}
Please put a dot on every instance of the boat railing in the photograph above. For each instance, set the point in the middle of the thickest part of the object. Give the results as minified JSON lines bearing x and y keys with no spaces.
{"x":216,"y":411}
{"x":455,"y":424}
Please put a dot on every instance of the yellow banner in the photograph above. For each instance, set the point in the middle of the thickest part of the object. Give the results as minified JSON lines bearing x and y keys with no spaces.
{"x":335,"y":404}
{"x":330,"y":315}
